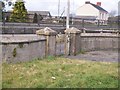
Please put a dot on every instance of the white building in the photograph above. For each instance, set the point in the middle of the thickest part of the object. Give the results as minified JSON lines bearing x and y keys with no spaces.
{"x":92,"y":11}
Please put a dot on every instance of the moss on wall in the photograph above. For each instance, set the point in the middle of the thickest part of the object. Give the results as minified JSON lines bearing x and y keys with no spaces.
{"x":14,"y":52}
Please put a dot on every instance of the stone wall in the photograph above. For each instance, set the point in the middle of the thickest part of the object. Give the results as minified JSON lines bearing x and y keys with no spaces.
{"x":90,"y":41}
{"x":99,"y":41}
{"x":21,"y":47}
{"x":20,"y":50}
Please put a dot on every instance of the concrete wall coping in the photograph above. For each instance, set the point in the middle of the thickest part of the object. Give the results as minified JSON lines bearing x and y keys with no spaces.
{"x":22,"y":42}
{"x":46,"y":31}
{"x":100,"y":35}
{"x":73,"y":30}
{"x":16,"y":39}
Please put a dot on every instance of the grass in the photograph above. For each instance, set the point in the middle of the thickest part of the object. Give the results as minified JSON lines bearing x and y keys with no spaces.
{"x":0,"y":76}
{"x":60,"y":72}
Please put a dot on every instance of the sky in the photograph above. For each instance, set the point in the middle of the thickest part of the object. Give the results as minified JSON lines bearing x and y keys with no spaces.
{"x":52,"y":5}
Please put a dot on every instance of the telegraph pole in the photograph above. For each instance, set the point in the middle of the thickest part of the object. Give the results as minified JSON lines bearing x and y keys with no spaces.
{"x":68,"y":13}
{"x":58,"y":8}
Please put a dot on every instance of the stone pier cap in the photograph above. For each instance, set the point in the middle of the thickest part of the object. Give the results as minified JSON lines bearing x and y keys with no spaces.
{"x":46,"y":31}
{"x":72,"y":30}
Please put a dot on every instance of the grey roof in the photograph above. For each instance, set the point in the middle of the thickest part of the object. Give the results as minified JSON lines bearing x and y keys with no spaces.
{"x":86,"y":17}
{"x":98,"y":7}
{"x":43,"y":13}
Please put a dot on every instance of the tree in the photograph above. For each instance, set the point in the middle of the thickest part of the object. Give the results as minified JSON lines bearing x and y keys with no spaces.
{"x":19,"y":13}
{"x":2,"y":5}
{"x":112,"y":13}
{"x":5,"y":3}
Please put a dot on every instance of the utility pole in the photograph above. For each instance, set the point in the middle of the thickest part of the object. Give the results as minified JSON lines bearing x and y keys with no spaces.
{"x":68,"y":13}
{"x":58,"y":8}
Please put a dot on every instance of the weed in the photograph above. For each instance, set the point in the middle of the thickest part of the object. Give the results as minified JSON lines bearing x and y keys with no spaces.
{"x":50,"y":57}
{"x":14,"y":52}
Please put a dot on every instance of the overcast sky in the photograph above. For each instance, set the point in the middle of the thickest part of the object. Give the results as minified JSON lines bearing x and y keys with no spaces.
{"x":52,"y":5}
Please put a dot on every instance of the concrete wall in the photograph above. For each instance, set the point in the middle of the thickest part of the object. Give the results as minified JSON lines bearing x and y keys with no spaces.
{"x":99,"y":41}
{"x":90,"y":41}
{"x":18,"y":49}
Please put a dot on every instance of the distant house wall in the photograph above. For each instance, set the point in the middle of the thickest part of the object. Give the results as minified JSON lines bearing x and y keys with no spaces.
{"x":92,"y":10}
{"x":103,"y":15}
{"x":87,"y":10}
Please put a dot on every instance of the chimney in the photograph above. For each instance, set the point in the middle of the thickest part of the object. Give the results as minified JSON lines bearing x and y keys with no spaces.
{"x":87,"y":2}
{"x":98,"y":4}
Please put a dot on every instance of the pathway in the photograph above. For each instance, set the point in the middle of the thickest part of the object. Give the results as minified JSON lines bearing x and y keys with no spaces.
{"x":105,"y":56}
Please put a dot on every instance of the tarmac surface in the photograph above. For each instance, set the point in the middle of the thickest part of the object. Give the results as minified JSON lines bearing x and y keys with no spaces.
{"x":104,"y":56}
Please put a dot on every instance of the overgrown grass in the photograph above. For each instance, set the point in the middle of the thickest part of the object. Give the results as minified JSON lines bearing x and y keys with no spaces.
{"x":60,"y":72}
{"x":0,"y":75}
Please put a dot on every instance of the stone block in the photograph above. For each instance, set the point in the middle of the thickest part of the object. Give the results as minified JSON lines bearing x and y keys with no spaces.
{"x":46,"y":31}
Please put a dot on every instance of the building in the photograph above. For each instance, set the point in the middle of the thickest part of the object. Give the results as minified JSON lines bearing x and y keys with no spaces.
{"x":93,"y":11}
{"x":33,"y":16}
{"x":36,"y":16}
{"x":44,"y":14}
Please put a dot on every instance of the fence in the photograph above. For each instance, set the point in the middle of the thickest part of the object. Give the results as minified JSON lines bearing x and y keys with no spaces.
{"x":28,"y":28}
{"x":59,"y":26}
{"x":48,"y":43}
